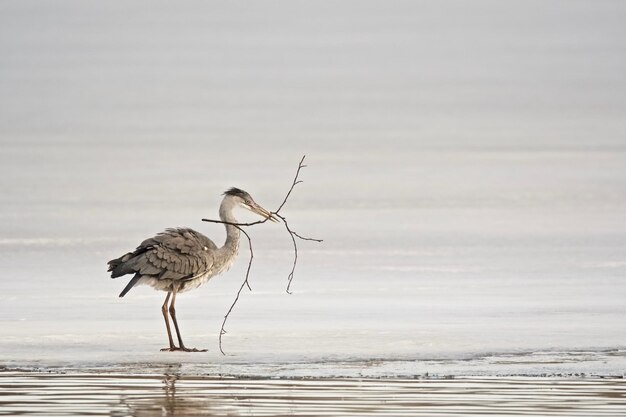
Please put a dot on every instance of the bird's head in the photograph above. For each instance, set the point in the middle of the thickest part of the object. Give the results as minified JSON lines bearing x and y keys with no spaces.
{"x":245,"y":200}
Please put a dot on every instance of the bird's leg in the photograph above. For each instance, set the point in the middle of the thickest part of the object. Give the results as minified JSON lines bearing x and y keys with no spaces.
{"x":173,"y":314}
{"x":167,"y":323}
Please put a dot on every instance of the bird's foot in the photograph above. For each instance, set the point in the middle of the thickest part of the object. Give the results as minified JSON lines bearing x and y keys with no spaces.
{"x":181,"y":349}
{"x":170,"y":349}
{"x":186,"y":349}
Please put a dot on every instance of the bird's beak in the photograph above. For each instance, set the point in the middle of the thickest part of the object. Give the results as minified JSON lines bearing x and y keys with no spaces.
{"x":255,"y":208}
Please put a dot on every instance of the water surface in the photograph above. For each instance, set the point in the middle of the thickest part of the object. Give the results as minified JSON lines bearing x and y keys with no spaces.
{"x":31,"y":394}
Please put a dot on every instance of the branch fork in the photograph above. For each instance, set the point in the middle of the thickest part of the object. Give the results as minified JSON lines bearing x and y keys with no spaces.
{"x":292,"y":234}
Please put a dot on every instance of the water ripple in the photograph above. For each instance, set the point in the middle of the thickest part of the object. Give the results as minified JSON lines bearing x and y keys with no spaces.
{"x":33,"y":394}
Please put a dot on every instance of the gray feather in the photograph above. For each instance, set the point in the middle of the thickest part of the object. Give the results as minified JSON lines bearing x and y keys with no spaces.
{"x":173,"y":255}
{"x":130,"y":285}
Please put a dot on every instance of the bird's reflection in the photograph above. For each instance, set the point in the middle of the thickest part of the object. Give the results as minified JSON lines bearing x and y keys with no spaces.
{"x":169,"y":386}
{"x":167,"y":401}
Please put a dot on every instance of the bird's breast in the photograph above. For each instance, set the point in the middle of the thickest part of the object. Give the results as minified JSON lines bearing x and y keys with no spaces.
{"x":216,"y":269}
{"x":195,"y":282}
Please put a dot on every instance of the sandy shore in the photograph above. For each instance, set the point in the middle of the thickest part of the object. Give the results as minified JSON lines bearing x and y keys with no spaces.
{"x":35,"y":393}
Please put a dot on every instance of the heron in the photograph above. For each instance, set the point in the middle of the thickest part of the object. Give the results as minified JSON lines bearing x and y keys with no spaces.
{"x":181,"y":259}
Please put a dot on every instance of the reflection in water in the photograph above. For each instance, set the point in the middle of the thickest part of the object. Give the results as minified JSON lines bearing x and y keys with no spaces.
{"x":167,"y":403}
{"x":30,"y":394}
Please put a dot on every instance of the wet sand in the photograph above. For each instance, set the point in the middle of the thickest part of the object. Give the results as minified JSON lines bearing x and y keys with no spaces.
{"x":33,"y":393}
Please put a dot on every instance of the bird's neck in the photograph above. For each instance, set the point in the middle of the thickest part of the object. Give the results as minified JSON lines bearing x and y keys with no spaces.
{"x":232,"y":233}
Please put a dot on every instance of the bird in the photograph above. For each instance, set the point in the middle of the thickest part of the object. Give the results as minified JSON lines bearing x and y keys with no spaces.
{"x":181,"y":259}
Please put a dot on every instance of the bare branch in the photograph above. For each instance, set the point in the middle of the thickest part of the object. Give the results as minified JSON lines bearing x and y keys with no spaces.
{"x":292,"y":234}
{"x":305,"y":238}
{"x":295,"y":182}
{"x":295,"y":250}
{"x":243,"y":284}
{"x":236,"y":224}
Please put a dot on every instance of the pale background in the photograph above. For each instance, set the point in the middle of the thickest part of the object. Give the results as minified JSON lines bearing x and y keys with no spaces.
{"x":467,"y":172}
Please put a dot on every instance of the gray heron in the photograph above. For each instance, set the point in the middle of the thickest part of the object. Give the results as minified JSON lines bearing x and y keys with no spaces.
{"x":181,"y":259}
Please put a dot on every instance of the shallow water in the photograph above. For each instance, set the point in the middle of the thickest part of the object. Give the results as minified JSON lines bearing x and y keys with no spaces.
{"x":32,"y":394}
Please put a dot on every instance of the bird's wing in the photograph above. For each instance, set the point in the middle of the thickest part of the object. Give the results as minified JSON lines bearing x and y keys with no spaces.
{"x":176,"y":254}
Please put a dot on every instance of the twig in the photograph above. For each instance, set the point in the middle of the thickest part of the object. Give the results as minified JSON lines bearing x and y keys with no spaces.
{"x":292,"y":234}
{"x":243,"y":284}
{"x":236,"y":224}
{"x":295,"y":249}
{"x":295,"y":182}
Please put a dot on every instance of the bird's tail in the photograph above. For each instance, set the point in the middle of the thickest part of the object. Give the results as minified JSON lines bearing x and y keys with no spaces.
{"x":130,"y":284}
{"x":116,"y":266}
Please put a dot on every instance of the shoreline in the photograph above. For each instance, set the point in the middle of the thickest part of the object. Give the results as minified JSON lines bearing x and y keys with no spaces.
{"x":542,"y":364}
